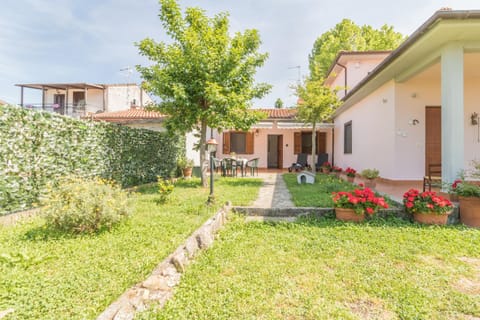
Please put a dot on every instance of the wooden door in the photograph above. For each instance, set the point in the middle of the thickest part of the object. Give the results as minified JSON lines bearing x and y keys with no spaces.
{"x":433,"y":136}
{"x":280,"y":151}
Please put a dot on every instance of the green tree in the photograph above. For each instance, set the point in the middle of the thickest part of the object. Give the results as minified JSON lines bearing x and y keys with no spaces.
{"x":316,"y":104}
{"x":348,"y":36}
{"x":204,"y":77}
{"x":278,"y":103}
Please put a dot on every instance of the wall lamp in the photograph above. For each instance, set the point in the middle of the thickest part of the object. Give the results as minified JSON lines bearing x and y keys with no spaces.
{"x":474,"y":119}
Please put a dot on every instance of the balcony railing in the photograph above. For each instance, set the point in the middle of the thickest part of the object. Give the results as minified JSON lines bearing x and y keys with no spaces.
{"x":74,"y":111}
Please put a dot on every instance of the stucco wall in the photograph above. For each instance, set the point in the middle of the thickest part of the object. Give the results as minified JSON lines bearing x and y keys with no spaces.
{"x":411,"y":99}
{"x":373,"y":133}
{"x":119,"y":97}
{"x":154,"y":126}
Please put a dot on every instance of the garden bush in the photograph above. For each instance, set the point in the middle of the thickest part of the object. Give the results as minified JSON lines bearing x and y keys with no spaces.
{"x":79,"y":205}
{"x":40,"y":147}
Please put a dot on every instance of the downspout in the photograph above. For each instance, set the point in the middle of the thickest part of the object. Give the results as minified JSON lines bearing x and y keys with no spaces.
{"x":333,"y":146}
{"x":344,"y":68}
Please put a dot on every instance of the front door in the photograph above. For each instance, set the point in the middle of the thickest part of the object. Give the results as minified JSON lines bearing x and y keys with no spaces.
{"x":275,"y":151}
{"x":59,"y":103}
{"x":433,"y":136}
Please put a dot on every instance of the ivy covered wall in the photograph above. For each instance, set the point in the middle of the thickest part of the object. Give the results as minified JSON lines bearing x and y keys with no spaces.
{"x":38,"y":147}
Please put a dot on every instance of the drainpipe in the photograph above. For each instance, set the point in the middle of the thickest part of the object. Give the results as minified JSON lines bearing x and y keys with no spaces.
{"x":333,"y":146}
{"x":344,"y":68}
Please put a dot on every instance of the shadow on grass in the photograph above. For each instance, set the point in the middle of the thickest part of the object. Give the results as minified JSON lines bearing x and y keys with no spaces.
{"x":240,"y":182}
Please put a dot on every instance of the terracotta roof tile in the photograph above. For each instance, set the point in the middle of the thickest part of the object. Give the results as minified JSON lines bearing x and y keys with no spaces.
{"x":280,"y":113}
{"x":130,"y":114}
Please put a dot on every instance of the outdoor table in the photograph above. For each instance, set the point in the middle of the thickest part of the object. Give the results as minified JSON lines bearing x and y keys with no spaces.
{"x":242,"y":163}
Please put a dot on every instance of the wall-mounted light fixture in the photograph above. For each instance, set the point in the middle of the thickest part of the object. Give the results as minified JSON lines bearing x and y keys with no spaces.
{"x":413,"y":122}
{"x":474,"y":119}
{"x":257,"y":132}
{"x":414,"y":95}
{"x":384,"y":100}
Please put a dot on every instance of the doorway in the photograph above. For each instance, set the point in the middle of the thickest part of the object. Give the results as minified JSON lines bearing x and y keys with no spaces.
{"x":275,"y":151}
{"x":59,"y":103}
{"x":433,"y":136}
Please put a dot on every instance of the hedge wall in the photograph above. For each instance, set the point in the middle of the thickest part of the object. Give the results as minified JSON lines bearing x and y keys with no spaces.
{"x":38,"y":147}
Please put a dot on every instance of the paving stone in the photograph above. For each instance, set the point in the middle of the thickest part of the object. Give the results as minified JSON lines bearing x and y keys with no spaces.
{"x":273,"y":193}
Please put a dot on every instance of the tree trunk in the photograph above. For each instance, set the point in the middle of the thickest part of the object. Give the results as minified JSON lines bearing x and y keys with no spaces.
{"x":203,"y":153}
{"x":314,"y":146}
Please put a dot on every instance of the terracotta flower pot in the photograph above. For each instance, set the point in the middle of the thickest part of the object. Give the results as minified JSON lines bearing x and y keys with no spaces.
{"x":350,"y":179}
{"x":431,"y":218}
{"x":370,"y":183}
{"x":348,"y":215}
{"x":470,"y":211}
{"x":187,"y":172}
{"x":325,"y":170}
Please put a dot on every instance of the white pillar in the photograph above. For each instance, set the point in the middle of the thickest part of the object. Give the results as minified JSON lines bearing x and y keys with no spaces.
{"x":452,"y":112}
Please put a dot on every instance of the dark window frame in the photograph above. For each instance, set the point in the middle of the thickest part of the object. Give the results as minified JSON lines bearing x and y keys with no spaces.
{"x":347,"y":137}
{"x":233,"y":147}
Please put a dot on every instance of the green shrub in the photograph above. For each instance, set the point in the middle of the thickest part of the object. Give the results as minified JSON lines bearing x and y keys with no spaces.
{"x":38,"y":148}
{"x":165,"y":188}
{"x":370,"y":173}
{"x":79,"y":205}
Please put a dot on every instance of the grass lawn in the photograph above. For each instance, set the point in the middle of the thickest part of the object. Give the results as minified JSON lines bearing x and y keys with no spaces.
{"x":318,"y":194}
{"x":324,"y":269}
{"x":44,"y":275}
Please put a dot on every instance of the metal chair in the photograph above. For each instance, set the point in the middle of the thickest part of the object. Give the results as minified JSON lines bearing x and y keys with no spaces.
{"x":300,"y":164}
{"x":321,"y":159}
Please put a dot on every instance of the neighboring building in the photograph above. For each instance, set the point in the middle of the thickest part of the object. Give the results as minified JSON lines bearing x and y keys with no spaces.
{"x":276,"y":141}
{"x":80,"y":99}
{"x":417,"y":106}
{"x":134,"y":117}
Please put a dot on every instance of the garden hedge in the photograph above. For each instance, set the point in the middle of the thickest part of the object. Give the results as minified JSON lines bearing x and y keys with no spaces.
{"x":40,"y":147}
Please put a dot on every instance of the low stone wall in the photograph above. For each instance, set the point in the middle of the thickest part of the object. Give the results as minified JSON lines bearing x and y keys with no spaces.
{"x":14,"y":217}
{"x":320,"y":212}
{"x":158,"y":287}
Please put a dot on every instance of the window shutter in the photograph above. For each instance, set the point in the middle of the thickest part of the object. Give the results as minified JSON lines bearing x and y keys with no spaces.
{"x":226,"y":143}
{"x":297,"y":142}
{"x":321,"y":142}
{"x":249,"y":143}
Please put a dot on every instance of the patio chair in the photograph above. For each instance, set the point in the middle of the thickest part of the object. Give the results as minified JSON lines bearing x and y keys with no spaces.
{"x":300,"y":164}
{"x":229,"y":167}
{"x":321,"y":159}
{"x":217,"y":164}
{"x":433,"y":176}
{"x":253,"y":165}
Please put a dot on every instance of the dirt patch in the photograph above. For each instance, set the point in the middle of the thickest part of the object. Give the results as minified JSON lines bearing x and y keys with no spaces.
{"x":369,"y":309}
{"x":13,"y":218}
{"x":470,"y":285}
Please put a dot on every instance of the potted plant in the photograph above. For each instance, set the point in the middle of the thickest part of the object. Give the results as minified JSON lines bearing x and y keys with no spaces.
{"x":336,"y":170}
{"x":352,"y":206}
{"x":326,"y":167}
{"x":350,"y":174}
{"x":427,"y":207}
{"x":186,"y":166}
{"x":469,"y":199}
{"x":370,"y":175}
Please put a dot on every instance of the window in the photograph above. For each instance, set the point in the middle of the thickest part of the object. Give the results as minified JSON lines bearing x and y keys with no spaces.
{"x":78,"y":98}
{"x":303,"y":142}
{"x":347,"y":137}
{"x":238,"y":142}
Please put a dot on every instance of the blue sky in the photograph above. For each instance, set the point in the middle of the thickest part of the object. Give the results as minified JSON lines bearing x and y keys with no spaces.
{"x":44,"y":41}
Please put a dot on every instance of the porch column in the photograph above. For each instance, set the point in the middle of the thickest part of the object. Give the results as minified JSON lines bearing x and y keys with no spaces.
{"x":21,"y":96}
{"x":452,"y":112}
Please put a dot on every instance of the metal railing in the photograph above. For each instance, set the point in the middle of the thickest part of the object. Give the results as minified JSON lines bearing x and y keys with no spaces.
{"x":71,"y":110}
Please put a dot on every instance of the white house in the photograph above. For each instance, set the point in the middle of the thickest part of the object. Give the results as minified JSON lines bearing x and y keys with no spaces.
{"x":80,"y":99}
{"x":414,"y":106}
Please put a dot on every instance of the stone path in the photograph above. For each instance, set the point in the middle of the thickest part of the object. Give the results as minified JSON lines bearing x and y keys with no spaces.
{"x":273,"y":193}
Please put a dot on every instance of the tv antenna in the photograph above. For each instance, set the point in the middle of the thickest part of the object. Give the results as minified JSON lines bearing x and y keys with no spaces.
{"x":299,"y":72}
{"x":128,"y":71}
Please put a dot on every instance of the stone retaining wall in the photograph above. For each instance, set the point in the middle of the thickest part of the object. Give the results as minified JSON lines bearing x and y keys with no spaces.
{"x":320,"y":212}
{"x":158,"y":287}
